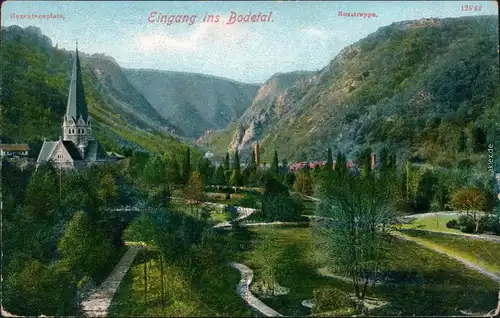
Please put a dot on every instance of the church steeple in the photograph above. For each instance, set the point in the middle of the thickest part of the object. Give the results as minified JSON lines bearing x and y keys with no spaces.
{"x":77,"y":107}
{"x":76,"y":124}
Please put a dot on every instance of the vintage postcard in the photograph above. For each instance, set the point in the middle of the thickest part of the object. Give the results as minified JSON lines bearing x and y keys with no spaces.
{"x":249,"y":159}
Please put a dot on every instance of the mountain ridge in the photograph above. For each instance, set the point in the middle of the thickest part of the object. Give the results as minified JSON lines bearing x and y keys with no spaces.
{"x":413,"y":86}
{"x":194,"y":103}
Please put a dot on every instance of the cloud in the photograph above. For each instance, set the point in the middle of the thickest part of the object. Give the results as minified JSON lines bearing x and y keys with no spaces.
{"x":315,"y":32}
{"x":202,"y":36}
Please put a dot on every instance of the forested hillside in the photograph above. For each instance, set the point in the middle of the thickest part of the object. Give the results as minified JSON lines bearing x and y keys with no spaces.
{"x":256,"y":118}
{"x":35,"y":79}
{"x":427,"y":92}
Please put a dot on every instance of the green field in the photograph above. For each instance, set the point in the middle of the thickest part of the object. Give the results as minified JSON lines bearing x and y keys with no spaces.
{"x":432,"y":223}
{"x":213,"y":296}
{"x":481,"y":252}
{"x":417,"y":281}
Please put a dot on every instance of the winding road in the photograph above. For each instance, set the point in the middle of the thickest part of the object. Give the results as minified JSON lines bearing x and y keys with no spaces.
{"x":243,"y":290}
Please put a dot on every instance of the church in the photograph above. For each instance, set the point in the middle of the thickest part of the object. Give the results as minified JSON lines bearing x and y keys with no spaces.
{"x":77,"y":147}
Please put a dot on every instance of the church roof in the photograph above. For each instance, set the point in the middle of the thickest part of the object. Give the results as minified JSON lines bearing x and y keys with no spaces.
{"x":49,"y":146}
{"x":72,"y":150}
{"x":46,"y":151}
{"x":95,"y":151}
{"x":76,"y":98}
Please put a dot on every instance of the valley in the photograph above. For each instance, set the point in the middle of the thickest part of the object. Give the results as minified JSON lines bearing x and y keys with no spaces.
{"x":361,"y":188}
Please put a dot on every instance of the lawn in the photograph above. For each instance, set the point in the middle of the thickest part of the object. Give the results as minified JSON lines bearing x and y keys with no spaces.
{"x":214,"y":296}
{"x":484,"y":253}
{"x":416,"y":281}
{"x":432,"y":223}
{"x":221,"y":197}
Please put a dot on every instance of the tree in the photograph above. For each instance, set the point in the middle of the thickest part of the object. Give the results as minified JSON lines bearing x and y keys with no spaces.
{"x":236,"y":163}
{"x":478,"y":138}
{"x":194,"y":188}
{"x":329,"y":160}
{"x":161,"y":198}
{"x":173,"y":171}
{"x":289,"y":179}
{"x":107,"y":189}
{"x":462,"y":142}
{"x":364,"y":160}
{"x":39,"y":289}
{"x":469,"y":199}
{"x":358,"y":211}
{"x":226,"y":162}
{"x":272,"y":186}
{"x":205,"y":169}
{"x":426,"y":191}
{"x":219,"y":178}
{"x":235,"y":178}
{"x":42,"y":198}
{"x":387,"y":161}
{"x":281,"y":207}
{"x":187,"y":166}
{"x":155,"y":171}
{"x":84,"y":249}
{"x":252,"y":165}
{"x":268,"y":257}
{"x":274,"y":169}
{"x":303,"y":183}
{"x":341,"y":165}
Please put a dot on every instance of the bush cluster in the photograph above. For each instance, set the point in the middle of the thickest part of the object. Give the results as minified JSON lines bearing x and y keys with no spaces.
{"x":466,"y":224}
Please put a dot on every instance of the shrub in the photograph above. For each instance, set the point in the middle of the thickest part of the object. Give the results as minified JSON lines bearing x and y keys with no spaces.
{"x":422,"y":204}
{"x":248,"y":201}
{"x":491,"y":224}
{"x":331,"y":299}
{"x":466,"y":224}
{"x":453,"y":224}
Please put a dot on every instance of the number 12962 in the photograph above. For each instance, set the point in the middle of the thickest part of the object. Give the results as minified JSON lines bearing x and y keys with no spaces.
{"x":471,"y":8}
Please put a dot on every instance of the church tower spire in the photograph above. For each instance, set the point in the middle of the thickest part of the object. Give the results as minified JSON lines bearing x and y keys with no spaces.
{"x":76,"y":106}
{"x":76,"y":124}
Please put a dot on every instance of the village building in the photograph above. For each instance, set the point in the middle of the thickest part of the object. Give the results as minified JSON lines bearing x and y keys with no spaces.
{"x":76,"y":148}
{"x":14,"y":150}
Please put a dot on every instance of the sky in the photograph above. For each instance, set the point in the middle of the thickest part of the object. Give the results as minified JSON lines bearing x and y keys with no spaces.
{"x":299,"y":35}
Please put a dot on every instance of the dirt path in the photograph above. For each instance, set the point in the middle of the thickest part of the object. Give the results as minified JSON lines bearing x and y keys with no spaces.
{"x":243,"y":214}
{"x":98,"y":302}
{"x":481,"y":237}
{"x":243,"y":290}
{"x":467,"y":263}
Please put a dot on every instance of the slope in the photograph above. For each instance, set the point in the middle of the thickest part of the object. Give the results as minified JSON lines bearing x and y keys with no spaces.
{"x":35,"y":78}
{"x":194,"y":103}
{"x":426,"y":90}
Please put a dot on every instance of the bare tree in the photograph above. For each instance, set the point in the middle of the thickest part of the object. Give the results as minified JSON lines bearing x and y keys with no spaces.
{"x":359,"y":213}
{"x":469,"y":199}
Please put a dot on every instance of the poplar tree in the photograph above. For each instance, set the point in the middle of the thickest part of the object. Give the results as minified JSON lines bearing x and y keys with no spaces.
{"x":329,"y":160}
{"x":187,"y":166}
{"x":274,"y":164}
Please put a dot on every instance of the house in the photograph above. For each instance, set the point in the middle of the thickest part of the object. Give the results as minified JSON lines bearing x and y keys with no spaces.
{"x":14,"y":150}
{"x":77,"y":147}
